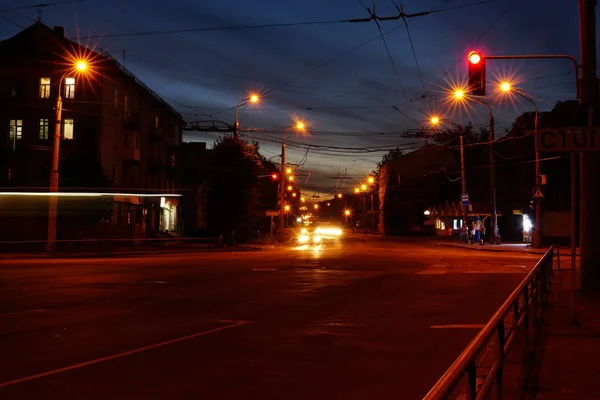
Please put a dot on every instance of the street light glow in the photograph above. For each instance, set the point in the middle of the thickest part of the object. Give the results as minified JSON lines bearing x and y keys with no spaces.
{"x":505,"y":86}
{"x":459,"y":94}
{"x":290,"y":188}
{"x":291,"y":178}
{"x":356,"y":190}
{"x":371,"y":180}
{"x":300,"y":125}
{"x":288,"y":171}
{"x":316,"y":206}
{"x":339,"y":195}
{"x":286,"y":208}
{"x":254,"y":98}
{"x":347,"y":213}
{"x":435,"y":120}
{"x":81,"y":65}
{"x":363,"y":187}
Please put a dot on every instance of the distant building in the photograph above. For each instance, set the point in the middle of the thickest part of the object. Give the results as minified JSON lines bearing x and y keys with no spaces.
{"x":116,"y":132}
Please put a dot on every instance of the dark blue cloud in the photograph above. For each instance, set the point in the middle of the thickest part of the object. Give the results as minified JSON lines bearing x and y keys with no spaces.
{"x":211,"y":71}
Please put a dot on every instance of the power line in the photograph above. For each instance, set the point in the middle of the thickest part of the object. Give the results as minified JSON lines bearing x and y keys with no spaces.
{"x":502,"y":14}
{"x":40,"y":5}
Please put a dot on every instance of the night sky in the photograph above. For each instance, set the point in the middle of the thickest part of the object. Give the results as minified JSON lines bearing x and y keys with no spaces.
{"x":303,"y":71}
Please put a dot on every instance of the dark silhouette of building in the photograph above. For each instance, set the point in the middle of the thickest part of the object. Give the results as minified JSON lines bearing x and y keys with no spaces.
{"x":116,"y":133}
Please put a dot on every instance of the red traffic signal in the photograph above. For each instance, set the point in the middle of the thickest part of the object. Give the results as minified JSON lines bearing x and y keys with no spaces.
{"x":274,"y":176}
{"x":476,"y":73}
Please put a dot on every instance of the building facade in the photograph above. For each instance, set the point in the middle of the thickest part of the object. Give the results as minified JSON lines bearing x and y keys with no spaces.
{"x":116,"y":133}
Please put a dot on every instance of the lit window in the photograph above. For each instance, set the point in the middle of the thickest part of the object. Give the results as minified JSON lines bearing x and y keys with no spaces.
{"x":15,"y":131}
{"x":126,"y":106}
{"x":116,"y":98}
{"x":44,"y":88}
{"x":13,"y":92}
{"x":68,"y":128}
{"x":44,"y":127}
{"x":156,"y":122}
{"x":70,"y":88}
{"x":455,"y":224}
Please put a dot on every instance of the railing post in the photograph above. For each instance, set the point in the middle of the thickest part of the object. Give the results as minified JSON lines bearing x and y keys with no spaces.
{"x":472,"y":381}
{"x":557,"y":257}
{"x":500,"y":359}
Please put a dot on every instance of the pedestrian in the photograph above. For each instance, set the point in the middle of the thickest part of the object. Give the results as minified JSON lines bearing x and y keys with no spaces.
{"x":481,"y":233}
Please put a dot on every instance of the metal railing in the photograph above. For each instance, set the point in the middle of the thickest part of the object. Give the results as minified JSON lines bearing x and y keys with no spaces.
{"x":488,"y":363}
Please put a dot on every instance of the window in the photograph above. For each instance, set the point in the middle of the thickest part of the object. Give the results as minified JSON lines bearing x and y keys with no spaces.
{"x":116,"y":98}
{"x":13,"y":92}
{"x":68,"y":128}
{"x":126,"y":102}
{"x":172,"y":160}
{"x":70,"y":88}
{"x":156,"y":122}
{"x":44,"y":88}
{"x":44,"y":127}
{"x":15,"y":131}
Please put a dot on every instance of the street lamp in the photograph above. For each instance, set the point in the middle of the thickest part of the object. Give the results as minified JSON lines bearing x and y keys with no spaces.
{"x":459,"y":95}
{"x":299,"y":126}
{"x":79,"y":67}
{"x":436,"y":121}
{"x":371,"y":180}
{"x":339,"y":195}
{"x":253,"y":98}
{"x":508,"y":88}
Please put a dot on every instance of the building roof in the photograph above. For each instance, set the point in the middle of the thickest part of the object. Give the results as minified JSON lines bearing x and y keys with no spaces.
{"x":431,"y":158}
{"x":37,"y":38}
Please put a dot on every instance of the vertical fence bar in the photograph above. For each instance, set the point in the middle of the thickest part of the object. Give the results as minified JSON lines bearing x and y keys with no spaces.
{"x":558,"y":257}
{"x":472,"y":380}
{"x":500,"y":359}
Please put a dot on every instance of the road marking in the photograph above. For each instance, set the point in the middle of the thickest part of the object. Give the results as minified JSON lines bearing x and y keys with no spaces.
{"x":124,"y":354}
{"x":264,"y":269}
{"x":22,"y":312}
{"x":458,"y":326}
{"x":154,"y":282}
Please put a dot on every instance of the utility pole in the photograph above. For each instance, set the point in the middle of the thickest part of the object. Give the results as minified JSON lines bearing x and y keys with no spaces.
{"x":494,"y":233}
{"x":282,"y":174}
{"x":537,"y":239}
{"x":53,"y":200}
{"x":463,"y":181}
{"x":589,"y":163}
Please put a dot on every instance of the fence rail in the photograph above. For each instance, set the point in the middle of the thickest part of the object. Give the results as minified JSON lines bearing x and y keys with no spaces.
{"x":488,"y":363}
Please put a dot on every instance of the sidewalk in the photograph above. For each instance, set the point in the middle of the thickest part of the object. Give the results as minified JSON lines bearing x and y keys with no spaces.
{"x":569,"y":352}
{"x":504,"y":247}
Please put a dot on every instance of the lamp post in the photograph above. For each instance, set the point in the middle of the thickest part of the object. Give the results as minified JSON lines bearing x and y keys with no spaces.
{"x":537,"y":237}
{"x":494,"y":231}
{"x":79,"y":67}
{"x":236,"y":124}
{"x":285,"y":176}
{"x":463,"y":176}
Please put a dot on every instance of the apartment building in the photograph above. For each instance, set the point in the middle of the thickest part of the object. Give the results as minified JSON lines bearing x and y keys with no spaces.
{"x":117,"y":135}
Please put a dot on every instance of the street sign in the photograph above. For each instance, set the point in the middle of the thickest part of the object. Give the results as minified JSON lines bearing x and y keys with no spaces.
{"x":538,"y":193}
{"x":272,"y":213}
{"x":464,"y":199}
{"x":568,"y":140}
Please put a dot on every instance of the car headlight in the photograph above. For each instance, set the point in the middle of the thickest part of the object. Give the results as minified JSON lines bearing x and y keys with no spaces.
{"x":303,"y":238}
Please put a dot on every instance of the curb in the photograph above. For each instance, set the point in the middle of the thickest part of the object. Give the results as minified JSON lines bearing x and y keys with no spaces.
{"x":132,"y":254}
{"x":481,"y":248}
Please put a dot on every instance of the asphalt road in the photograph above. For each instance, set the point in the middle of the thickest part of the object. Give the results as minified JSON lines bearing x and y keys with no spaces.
{"x":364,"y":320}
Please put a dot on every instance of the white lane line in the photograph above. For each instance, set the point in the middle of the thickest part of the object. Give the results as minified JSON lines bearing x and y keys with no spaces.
{"x":264,"y":269}
{"x":119,"y":355}
{"x":22,"y":312}
{"x":458,"y":326}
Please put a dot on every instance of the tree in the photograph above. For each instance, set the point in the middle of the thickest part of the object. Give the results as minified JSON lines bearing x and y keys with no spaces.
{"x":234,"y":169}
{"x":391,"y":155}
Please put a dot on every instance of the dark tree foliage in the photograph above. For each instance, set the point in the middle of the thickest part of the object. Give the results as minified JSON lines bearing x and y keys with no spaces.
{"x":235,"y":167}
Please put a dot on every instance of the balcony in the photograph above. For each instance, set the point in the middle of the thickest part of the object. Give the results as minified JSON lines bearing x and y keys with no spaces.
{"x":154,"y":165}
{"x":131,"y":154}
{"x":155,"y":133}
{"x":131,"y":122}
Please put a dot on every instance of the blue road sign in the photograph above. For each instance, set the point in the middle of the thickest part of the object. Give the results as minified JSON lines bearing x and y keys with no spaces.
{"x":464,"y":199}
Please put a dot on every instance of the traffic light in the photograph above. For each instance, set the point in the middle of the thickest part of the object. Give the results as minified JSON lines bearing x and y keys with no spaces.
{"x":476,"y":73}
{"x":274,"y":176}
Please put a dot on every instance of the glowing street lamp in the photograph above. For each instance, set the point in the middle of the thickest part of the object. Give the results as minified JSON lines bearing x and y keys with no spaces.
{"x":459,"y":94}
{"x":253,"y":98}
{"x":363,"y":187}
{"x":290,"y":188}
{"x":79,"y":67}
{"x":356,"y":190}
{"x":435,"y":120}
{"x":316,"y":206}
{"x":347,"y":212}
{"x":288,"y":171}
{"x":339,"y":195}
{"x":287,"y":208}
{"x":371,"y":180}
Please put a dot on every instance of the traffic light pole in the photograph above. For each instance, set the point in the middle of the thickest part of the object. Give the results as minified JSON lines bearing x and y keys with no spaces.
{"x":463,"y":180}
{"x":589,"y":162}
{"x":494,"y":231}
{"x":281,"y":217}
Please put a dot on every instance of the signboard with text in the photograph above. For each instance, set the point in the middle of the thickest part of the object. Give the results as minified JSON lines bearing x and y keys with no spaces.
{"x":568,"y":140}
{"x":464,"y":199}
